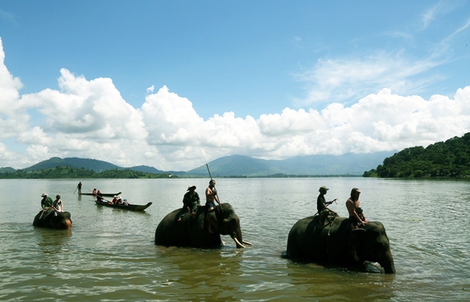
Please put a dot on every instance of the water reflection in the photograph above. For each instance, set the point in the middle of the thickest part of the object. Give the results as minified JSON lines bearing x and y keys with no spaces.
{"x":52,"y":242}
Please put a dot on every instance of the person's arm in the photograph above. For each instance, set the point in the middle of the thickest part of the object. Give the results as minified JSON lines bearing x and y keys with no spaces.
{"x":331,"y":201}
{"x":216,"y":197}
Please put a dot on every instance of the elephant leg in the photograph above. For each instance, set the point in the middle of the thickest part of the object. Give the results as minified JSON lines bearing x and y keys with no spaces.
{"x":211,"y":222}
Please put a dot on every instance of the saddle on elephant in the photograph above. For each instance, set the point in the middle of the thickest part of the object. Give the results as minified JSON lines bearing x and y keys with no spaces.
{"x":46,"y":212}
{"x":326,"y":217}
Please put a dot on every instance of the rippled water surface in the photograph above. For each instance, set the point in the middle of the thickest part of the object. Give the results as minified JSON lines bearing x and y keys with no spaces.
{"x":109,"y":255}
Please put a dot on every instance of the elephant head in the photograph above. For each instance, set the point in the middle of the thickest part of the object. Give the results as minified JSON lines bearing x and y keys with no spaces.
{"x":202,"y":230}
{"x":371,"y":243}
{"x":50,"y":219}
{"x":224,"y":221}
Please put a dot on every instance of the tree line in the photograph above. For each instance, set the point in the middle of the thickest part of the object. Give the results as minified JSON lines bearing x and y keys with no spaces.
{"x":449,"y":159}
{"x":69,"y":172}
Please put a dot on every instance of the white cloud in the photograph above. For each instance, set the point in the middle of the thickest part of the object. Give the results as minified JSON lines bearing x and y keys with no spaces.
{"x":90,"y":119}
{"x":438,"y":9}
{"x":346,"y":80}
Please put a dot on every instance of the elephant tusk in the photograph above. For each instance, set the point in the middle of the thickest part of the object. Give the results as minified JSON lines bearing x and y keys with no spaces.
{"x":238,"y":243}
{"x":247,"y":243}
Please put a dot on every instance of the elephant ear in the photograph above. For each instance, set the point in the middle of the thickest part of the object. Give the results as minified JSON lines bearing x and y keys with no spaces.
{"x":357,"y":238}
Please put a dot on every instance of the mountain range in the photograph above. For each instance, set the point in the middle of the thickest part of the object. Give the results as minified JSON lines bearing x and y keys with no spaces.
{"x":240,"y":166}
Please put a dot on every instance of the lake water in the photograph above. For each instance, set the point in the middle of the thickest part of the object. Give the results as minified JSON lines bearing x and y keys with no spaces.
{"x":109,"y":255}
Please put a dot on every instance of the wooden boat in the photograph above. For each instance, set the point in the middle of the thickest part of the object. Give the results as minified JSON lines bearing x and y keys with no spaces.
{"x":102,"y":194}
{"x":130,"y":207}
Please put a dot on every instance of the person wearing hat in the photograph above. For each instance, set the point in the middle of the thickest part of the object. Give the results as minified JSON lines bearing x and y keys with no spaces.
{"x":356,"y":215}
{"x":115,"y":200}
{"x":46,"y":201}
{"x":322,"y":205}
{"x":190,"y":202}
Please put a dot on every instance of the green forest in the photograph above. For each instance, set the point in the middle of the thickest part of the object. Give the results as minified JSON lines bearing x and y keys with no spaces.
{"x":449,"y":159}
{"x":68,"y":172}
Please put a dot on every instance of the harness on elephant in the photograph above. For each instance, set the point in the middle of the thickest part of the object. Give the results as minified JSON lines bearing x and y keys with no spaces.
{"x":46,"y":211}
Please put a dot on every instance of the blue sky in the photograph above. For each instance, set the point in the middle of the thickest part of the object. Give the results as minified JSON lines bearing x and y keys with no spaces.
{"x":175,"y":84}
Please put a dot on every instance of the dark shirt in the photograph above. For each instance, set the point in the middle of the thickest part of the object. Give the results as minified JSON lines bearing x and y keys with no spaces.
{"x":46,"y":202}
{"x":321,"y":203}
{"x":190,"y":198}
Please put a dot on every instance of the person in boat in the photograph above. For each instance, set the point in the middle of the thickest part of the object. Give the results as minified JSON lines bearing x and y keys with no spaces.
{"x":99,"y":198}
{"x":356,"y":215}
{"x":322,"y":205}
{"x":115,"y":200}
{"x":79,"y":187}
{"x":46,"y":201}
{"x":124,"y":202}
{"x":211,"y":196}
{"x":191,"y":202}
{"x":58,"y":205}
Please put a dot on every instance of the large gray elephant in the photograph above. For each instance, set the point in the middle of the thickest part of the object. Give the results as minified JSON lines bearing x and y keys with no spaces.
{"x":202,"y":230}
{"x":335,"y":243}
{"x":47,"y":219}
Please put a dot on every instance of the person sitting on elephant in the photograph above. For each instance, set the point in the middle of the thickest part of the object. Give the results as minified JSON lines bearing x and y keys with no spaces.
{"x":356,"y":215}
{"x":58,"y":205}
{"x":211,"y":196}
{"x":190,"y":202}
{"x":322,"y":205}
{"x":46,"y":201}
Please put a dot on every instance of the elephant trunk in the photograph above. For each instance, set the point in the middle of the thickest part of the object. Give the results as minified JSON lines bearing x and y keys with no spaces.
{"x":388,"y":264}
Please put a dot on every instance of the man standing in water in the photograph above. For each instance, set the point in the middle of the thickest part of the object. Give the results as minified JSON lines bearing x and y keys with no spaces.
{"x":211,"y":196}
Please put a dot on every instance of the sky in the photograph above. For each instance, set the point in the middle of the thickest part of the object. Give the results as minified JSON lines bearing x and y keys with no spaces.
{"x":177,"y":84}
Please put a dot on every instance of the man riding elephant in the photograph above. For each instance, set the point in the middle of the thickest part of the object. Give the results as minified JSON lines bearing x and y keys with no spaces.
{"x":191,"y":202}
{"x":193,"y":231}
{"x":46,"y":201}
{"x":336,"y":243}
{"x":51,"y":216}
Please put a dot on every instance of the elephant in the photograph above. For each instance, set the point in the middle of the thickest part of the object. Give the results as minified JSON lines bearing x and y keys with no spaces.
{"x":47,"y":219}
{"x":335,"y":243}
{"x":202,"y":230}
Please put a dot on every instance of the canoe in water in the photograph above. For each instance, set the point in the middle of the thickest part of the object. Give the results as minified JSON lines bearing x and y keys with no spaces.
{"x":130,"y":207}
{"x":102,"y":194}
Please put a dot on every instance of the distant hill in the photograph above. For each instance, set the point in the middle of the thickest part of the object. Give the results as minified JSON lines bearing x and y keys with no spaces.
{"x":443,"y":159}
{"x":235,"y":166}
{"x":7,"y":170}
{"x":313,"y":165}
{"x":74,"y":162}
{"x":146,"y":169}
